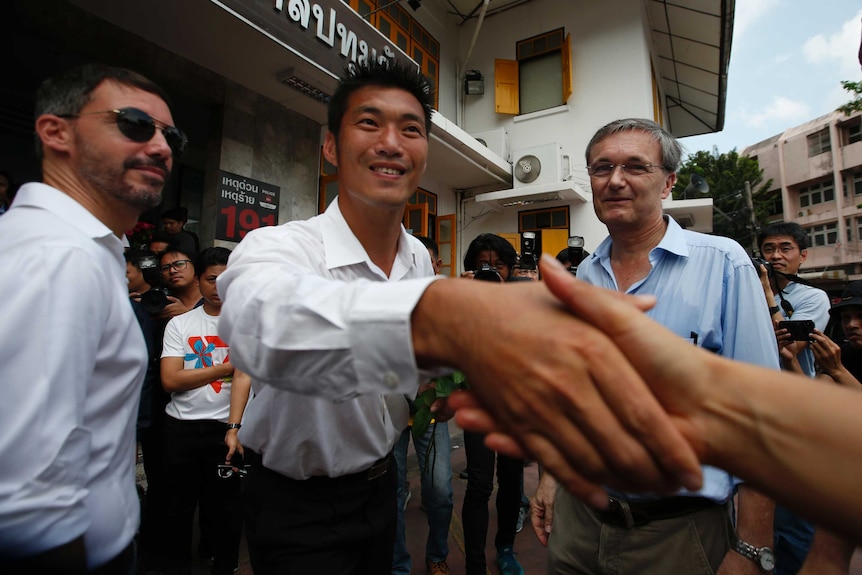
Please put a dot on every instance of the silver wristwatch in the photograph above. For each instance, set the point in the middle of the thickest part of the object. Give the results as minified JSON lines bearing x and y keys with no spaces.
{"x":763,"y":556}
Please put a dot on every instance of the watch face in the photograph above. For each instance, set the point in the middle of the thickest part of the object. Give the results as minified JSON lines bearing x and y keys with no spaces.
{"x":767,"y":559}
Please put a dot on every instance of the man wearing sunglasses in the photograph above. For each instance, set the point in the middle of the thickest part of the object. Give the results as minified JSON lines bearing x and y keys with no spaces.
{"x":73,"y":355}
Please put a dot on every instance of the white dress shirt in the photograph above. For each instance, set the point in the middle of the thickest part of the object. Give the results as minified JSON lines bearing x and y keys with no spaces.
{"x":72,"y":361}
{"x":325,"y":335}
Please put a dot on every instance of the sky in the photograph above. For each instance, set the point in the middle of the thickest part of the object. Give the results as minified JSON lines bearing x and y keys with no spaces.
{"x":787,"y":60}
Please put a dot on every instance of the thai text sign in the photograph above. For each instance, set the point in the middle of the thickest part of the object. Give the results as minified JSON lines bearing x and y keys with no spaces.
{"x":243,"y":205}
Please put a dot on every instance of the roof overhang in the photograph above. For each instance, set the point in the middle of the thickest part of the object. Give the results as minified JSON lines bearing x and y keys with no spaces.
{"x":694,"y":215}
{"x":457,"y":159}
{"x":692,"y":40}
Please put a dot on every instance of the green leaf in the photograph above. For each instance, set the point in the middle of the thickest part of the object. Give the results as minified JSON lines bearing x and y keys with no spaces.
{"x":426,"y":398}
{"x":421,"y":421}
{"x":447,"y":384}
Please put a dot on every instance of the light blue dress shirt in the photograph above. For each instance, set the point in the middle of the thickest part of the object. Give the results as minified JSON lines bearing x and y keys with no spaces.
{"x":708,"y":293}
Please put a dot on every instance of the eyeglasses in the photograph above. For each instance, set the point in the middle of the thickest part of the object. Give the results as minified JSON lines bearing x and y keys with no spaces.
{"x":178,"y":265}
{"x":784,"y":249}
{"x":140,"y":127}
{"x":605,"y":169}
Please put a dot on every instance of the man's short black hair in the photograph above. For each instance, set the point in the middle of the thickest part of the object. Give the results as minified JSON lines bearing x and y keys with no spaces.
{"x":178,"y":249}
{"x":386,"y":74}
{"x":211,"y":257}
{"x":791,"y":229}
{"x":180,"y":214}
{"x":430,"y":245}
{"x":492,"y":243}
{"x":69,"y":91}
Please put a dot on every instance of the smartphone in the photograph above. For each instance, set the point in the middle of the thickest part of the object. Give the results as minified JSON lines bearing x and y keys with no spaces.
{"x":799,"y":329}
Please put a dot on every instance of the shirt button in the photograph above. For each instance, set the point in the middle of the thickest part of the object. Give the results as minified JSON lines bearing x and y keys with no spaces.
{"x":390,"y":380}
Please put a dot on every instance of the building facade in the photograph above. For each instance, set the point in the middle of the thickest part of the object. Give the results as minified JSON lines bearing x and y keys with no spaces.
{"x":521,"y":87}
{"x":817,"y":170}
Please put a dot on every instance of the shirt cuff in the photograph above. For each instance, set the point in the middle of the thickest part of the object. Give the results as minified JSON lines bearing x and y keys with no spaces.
{"x":381,"y":337}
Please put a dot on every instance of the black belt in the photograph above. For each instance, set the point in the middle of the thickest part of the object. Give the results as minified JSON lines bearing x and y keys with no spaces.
{"x":631,"y":514}
{"x":377,"y":470}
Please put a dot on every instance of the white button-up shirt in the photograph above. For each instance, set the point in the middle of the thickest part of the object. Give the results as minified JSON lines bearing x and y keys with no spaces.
{"x":72,"y":361}
{"x":326,"y":337}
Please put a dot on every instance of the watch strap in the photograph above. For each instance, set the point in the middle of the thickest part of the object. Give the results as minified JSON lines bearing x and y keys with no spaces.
{"x":234,"y":425}
{"x":774,"y":310}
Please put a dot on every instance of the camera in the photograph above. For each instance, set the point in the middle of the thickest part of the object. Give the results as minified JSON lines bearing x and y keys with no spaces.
{"x":575,"y":247}
{"x":757,"y":262}
{"x":799,"y":329}
{"x":155,"y":299}
{"x":488,"y":274}
{"x":528,"y":251}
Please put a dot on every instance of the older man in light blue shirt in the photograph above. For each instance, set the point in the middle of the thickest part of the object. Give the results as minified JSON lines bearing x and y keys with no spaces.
{"x":708,"y":292}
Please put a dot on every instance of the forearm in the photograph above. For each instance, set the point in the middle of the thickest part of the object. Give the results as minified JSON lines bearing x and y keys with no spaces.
{"x":186,"y":379}
{"x":754,"y":516}
{"x":240,"y":389}
{"x":841,"y":376}
{"x":759,"y":425}
{"x":329,"y":338}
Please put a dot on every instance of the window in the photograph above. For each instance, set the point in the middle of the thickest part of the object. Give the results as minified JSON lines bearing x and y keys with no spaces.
{"x":535,"y":220}
{"x":825,"y":235}
{"x":819,"y":143}
{"x":851,"y":132}
{"x":816,"y":194}
{"x":404,"y":31}
{"x":540,"y":78}
{"x":420,"y":215}
{"x":856,"y":182}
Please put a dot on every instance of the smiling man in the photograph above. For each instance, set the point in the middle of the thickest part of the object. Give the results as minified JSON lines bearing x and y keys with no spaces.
{"x":708,"y":293}
{"x":73,"y":357}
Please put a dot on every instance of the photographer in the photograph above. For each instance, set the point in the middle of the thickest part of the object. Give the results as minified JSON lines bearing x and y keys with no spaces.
{"x":490,"y":257}
{"x":785,"y":247}
{"x":180,"y":283}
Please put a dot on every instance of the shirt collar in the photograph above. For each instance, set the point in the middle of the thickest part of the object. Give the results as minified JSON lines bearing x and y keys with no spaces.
{"x":673,"y":241}
{"x":44,"y":197}
{"x":343,"y":248}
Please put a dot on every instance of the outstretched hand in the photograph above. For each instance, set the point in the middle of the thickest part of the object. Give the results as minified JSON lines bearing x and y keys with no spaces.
{"x":563,"y":392}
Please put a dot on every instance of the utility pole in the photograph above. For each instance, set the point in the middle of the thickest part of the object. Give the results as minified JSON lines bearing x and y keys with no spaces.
{"x":753,"y":222}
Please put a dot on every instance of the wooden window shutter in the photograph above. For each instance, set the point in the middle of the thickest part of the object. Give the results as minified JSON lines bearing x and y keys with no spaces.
{"x":567,"y":68}
{"x":506,"y":95}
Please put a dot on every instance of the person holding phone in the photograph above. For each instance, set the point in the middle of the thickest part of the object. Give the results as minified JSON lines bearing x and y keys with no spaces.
{"x":785,"y":246}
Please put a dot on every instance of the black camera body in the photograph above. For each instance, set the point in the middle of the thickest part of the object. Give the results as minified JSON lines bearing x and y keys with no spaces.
{"x":757,"y":262}
{"x":155,"y":299}
{"x":488,"y":274}
{"x":528,"y":251}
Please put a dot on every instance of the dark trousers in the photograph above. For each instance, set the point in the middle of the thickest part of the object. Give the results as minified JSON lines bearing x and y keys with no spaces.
{"x":338,"y":526}
{"x":480,"y":484}
{"x":192,"y":452}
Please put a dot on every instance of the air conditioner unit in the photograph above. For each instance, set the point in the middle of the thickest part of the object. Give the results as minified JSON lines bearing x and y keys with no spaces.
{"x":496,"y":140}
{"x":545,"y":164}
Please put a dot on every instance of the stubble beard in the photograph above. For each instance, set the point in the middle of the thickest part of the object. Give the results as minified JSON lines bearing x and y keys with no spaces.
{"x":111,"y":182}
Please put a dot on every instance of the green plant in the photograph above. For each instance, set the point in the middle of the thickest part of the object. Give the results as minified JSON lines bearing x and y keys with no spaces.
{"x":440,"y":388}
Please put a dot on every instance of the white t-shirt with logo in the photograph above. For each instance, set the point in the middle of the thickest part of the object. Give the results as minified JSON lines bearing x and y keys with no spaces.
{"x":193,"y":336}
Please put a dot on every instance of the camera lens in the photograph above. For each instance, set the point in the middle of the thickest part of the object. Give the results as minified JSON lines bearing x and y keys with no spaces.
{"x":154,"y":301}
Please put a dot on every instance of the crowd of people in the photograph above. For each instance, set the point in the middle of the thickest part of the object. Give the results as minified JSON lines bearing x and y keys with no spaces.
{"x":271,"y":388}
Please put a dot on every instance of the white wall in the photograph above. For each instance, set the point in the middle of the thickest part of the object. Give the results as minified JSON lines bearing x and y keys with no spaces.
{"x":611,"y":79}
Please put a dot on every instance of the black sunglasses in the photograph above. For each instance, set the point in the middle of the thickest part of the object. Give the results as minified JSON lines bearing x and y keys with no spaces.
{"x":138,"y":126}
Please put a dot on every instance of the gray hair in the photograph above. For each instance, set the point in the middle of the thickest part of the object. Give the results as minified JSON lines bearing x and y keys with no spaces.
{"x":671,"y":150}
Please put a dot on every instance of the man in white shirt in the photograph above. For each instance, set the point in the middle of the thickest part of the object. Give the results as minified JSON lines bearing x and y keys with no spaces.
{"x":73,"y":357}
{"x":332,"y":317}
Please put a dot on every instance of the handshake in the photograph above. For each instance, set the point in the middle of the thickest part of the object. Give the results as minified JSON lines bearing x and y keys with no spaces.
{"x":641,"y":409}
